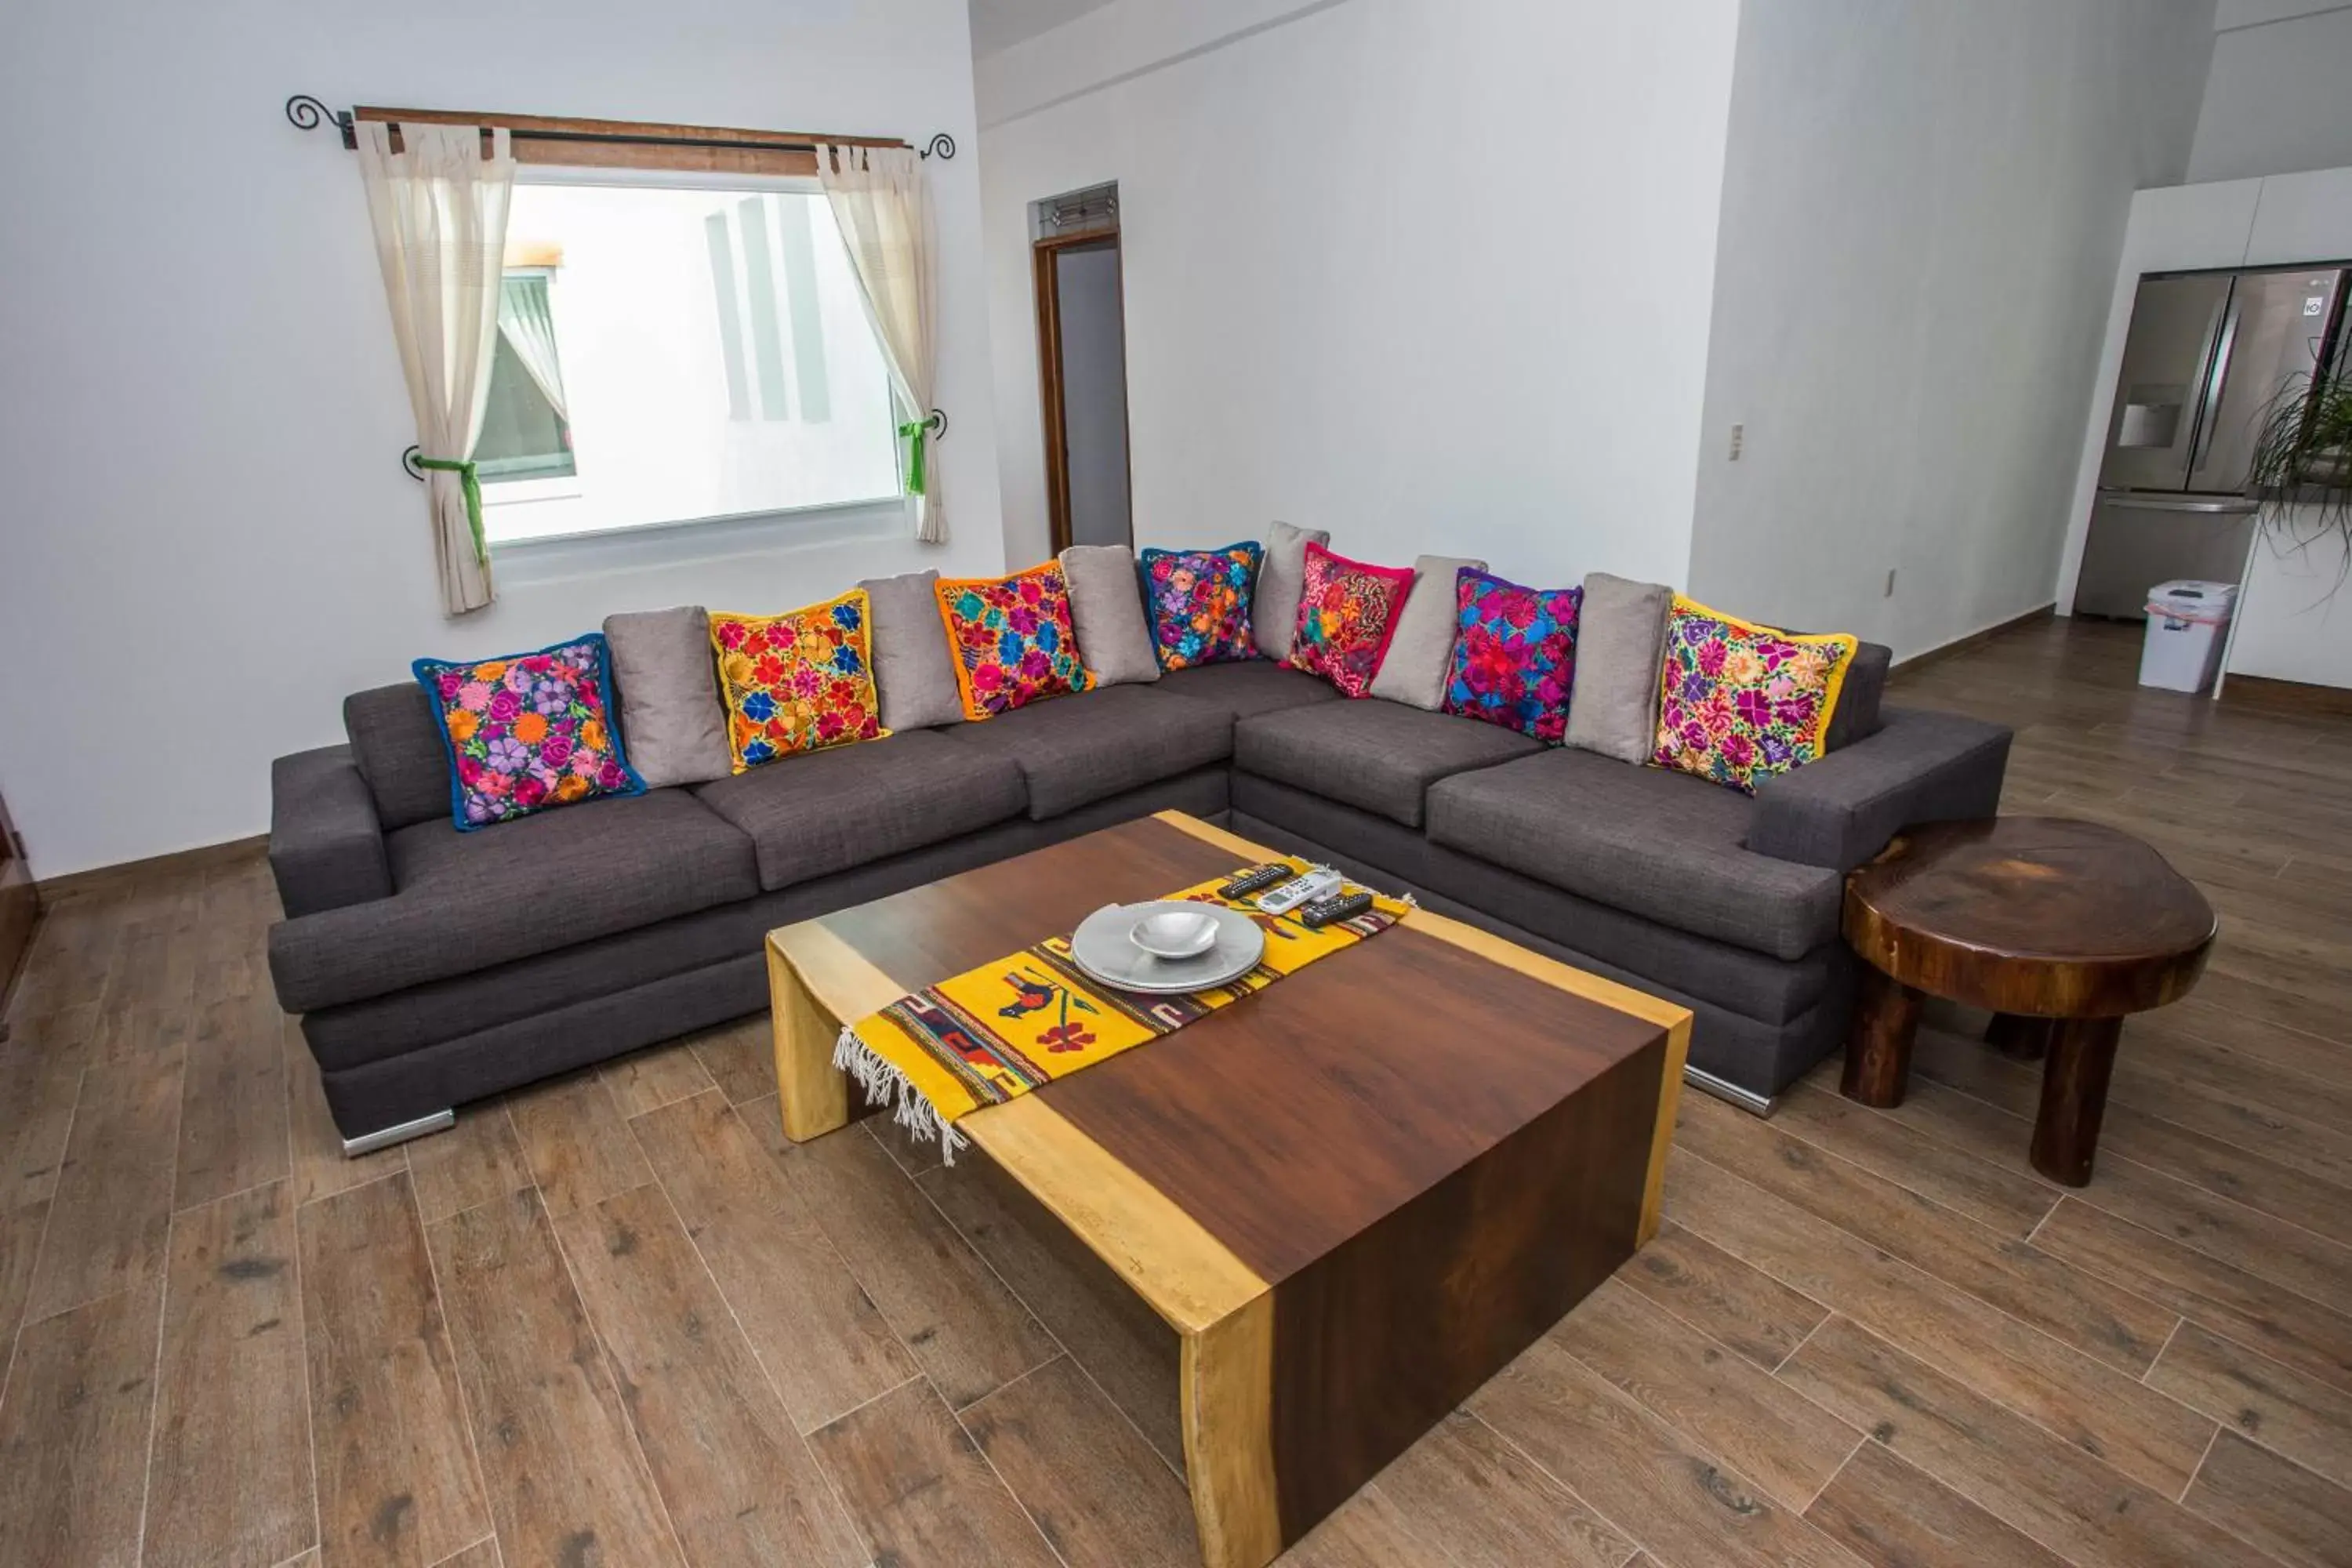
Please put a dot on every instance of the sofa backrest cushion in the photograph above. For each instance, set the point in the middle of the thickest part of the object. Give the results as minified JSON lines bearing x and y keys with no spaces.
{"x":1273,"y":607}
{"x":1856,"y":717}
{"x":1422,"y":649}
{"x":1620,"y":648}
{"x":913,"y":669}
{"x":667,"y":693}
{"x":397,"y":742}
{"x":1107,"y":612}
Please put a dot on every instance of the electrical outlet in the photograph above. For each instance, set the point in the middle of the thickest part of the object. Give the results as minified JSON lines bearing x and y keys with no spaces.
{"x":1890,"y":584}
{"x":1738,"y":439}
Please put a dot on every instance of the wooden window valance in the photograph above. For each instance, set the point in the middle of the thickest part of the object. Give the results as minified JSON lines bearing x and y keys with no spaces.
{"x":618,"y":143}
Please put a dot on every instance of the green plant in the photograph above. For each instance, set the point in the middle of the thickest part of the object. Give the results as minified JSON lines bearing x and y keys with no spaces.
{"x":2302,"y":469}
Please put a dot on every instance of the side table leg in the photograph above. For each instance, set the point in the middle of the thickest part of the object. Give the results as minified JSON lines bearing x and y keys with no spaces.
{"x":2020,"y":1038}
{"x":1878,"y":1048}
{"x":2075,"y":1098}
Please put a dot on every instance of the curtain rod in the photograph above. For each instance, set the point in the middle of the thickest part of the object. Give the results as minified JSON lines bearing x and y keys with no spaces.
{"x":307,"y":113}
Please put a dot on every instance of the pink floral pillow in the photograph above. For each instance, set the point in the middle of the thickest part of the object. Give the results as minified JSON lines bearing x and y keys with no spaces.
{"x":1347,"y":613}
{"x":1514,"y":654}
{"x":528,"y":731}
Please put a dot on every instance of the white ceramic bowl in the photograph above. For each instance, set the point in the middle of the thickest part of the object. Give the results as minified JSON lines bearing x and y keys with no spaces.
{"x":1175,"y":934}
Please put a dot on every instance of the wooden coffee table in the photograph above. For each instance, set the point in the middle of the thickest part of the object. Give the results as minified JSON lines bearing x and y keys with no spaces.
{"x":2060,"y":927}
{"x":1354,"y":1196}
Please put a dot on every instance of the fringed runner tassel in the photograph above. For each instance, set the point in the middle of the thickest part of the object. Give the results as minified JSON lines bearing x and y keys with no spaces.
{"x":886,"y":1085}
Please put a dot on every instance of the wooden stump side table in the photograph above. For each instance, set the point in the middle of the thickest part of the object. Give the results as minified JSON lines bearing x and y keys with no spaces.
{"x":2061,"y":928}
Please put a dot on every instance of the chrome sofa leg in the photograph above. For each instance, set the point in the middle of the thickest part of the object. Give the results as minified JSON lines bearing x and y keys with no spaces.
{"x":1746,"y":1098}
{"x":385,"y":1137}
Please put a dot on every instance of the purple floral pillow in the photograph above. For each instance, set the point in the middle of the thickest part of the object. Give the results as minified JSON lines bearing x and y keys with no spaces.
{"x":1198,"y":601}
{"x":1514,"y":654}
{"x":528,"y":731}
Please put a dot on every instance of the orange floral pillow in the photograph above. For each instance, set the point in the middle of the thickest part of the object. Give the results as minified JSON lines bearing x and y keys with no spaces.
{"x":1012,"y":639}
{"x":800,"y":682}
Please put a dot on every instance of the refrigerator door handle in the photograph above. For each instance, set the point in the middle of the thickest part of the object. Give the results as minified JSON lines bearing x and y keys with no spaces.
{"x":2217,"y":376}
{"x":2135,"y":501}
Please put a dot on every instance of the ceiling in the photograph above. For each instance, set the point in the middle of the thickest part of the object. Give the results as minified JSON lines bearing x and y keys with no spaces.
{"x":1000,"y":23}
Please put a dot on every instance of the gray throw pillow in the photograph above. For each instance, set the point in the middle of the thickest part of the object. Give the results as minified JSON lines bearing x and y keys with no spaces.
{"x":1106,"y":613}
{"x":914,"y":674}
{"x":673,"y":727}
{"x":1620,"y":644}
{"x":1281,"y":579}
{"x":1422,"y":646}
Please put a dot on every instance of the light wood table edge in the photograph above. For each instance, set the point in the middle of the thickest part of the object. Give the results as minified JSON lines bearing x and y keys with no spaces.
{"x":1227,"y":1370}
{"x":1675,"y":1020}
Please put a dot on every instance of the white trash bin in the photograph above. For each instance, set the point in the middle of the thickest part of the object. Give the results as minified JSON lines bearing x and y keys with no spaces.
{"x":2186,"y":623}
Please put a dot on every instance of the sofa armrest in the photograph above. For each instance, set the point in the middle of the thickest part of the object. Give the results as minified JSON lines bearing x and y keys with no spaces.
{"x":1841,"y":809}
{"x":325,"y":846}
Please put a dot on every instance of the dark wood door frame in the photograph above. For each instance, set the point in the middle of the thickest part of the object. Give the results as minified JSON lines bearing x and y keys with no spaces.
{"x":20,"y":909}
{"x":1049,"y":365}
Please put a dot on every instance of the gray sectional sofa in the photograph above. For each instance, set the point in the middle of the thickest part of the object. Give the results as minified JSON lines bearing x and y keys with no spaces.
{"x":433,"y":967}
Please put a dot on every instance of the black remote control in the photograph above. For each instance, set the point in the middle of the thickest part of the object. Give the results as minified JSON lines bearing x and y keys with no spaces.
{"x":1335,"y":907}
{"x":1256,"y":879}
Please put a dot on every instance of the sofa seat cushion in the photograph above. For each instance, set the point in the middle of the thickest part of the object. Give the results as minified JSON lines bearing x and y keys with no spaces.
{"x":821,"y":812}
{"x":1378,"y":755}
{"x":465,"y":902}
{"x":1252,"y":685}
{"x":1665,"y":846}
{"x":1073,"y":750}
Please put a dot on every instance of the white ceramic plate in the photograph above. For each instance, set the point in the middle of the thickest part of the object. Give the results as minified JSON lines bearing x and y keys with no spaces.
{"x":1104,"y":947}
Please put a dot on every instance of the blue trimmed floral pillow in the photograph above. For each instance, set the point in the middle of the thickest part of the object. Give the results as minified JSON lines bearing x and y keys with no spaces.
{"x":1514,"y":654}
{"x":528,"y":733}
{"x":1199,"y":604}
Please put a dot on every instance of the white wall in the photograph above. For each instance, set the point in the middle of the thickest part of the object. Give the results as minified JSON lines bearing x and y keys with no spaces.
{"x":207,"y":539}
{"x":1923,"y":206}
{"x":2275,"y":100}
{"x":1432,"y":276}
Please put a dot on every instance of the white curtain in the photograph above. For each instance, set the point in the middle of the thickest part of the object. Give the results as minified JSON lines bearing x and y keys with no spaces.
{"x":883,"y":209}
{"x":529,"y":329}
{"x":439,"y":209}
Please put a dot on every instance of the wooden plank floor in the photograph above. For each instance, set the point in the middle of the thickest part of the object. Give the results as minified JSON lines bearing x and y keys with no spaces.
{"x":616,"y":1321}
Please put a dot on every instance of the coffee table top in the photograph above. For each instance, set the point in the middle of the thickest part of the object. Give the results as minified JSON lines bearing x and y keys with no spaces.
{"x":1219,"y":1160}
{"x":2036,"y":915}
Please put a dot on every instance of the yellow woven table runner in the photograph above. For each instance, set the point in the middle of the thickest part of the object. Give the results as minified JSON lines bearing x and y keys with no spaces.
{"x":999,"y":1031}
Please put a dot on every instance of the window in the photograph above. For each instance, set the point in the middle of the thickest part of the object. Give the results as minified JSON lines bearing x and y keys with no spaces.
{"x":524,"y":433}
{"x":668,"y":354}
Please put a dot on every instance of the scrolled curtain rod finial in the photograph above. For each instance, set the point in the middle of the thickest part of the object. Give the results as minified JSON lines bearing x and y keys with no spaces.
{"x":942,"y":144}
{"x":307,"y":113}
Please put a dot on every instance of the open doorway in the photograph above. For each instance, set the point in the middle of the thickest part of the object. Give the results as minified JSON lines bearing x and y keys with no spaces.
{"x":1082,"y":366}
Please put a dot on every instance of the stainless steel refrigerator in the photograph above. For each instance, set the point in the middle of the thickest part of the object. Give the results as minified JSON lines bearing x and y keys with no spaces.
{"x":2206,"y":353}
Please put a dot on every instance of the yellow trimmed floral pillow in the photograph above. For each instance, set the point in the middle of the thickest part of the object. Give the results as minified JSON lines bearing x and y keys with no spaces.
{"x":1740,"y":703}
{"x":800,"y":682}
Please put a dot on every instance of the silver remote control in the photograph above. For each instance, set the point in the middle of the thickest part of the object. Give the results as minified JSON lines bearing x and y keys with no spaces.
{"x":1283,"y":899}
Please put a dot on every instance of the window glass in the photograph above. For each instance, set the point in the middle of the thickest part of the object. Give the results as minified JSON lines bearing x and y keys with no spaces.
{"x":671,"y":354}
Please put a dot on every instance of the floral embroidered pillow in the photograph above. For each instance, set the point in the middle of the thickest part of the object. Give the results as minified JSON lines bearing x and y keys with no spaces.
{"x":1347,"y":613}
{"x":1012,"y":639}
{"x":800,"y":682}
{"x":528,"y":731}
{"x":1199,"y":604}
{"x":1740,"y":703}
{"x":1513,"y":655}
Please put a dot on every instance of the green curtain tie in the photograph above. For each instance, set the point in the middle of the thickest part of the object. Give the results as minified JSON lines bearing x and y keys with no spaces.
{"x":469,"y":479}
{"x":913,"y":431}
